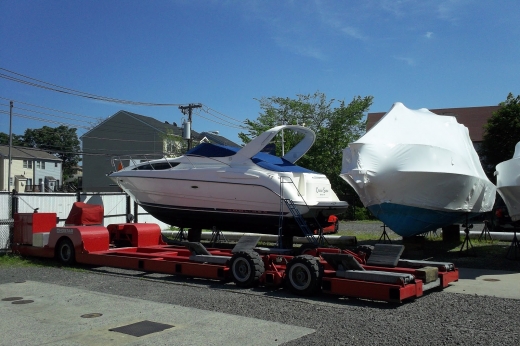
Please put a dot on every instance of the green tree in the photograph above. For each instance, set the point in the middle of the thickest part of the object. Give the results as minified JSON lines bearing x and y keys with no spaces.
{"x":61,"y":141}
{"x":335,"y":123}
{"x":174,"y":145}
{"x":17,"y":140}
{"x":501,"y":133}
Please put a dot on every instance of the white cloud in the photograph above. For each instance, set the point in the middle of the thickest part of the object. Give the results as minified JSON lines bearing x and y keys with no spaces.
{"x":353,"y":32}
{"x":304,"y":49}
{"x":429,"y":34}
{"x":408,"y":61}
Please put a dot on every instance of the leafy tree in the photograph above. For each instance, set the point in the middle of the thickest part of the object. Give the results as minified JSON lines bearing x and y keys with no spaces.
{"x":17,"y":140}
{"x":174,"y":145}
{"x":60,"y":141}
{"x":335,"y":123}
{"x":501,"y":133}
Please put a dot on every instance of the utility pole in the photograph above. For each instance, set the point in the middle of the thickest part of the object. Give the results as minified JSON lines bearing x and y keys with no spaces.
{"x":10,"y":145}
{"x":187,"y":128}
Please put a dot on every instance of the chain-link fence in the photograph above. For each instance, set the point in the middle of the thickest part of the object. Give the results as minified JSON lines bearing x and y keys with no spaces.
{"x":6,"y":220}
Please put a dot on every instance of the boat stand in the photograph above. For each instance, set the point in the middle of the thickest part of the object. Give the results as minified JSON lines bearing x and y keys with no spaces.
{"x":181,"y":235}
{"x":485,"y":232}
{"x":384,"y":237}
{"x":470,"y":251}
{"x":217,"y":236}
{"x":514,"y":249}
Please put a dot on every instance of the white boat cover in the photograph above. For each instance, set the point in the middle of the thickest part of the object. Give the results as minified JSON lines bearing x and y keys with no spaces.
{"x":419,"y":159}
{"x":508,"y":183}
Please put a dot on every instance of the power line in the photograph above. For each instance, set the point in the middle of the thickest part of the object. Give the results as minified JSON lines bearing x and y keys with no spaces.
{"x":56,"y":116}
{"x":15,"y":77}
{"x":46,"y":120}
{"x":49,"y":109}
{"x":53,"y":87}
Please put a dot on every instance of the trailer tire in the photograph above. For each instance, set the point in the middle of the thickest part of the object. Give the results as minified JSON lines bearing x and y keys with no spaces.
{"x":65,"y":252}
{"x":246,"y":268}
{"x":303,"y":275}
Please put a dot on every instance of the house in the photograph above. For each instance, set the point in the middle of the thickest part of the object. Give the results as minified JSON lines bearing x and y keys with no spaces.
{"x":131,"y":138}
{"x":32,"y":170}
{"x":214,"y":138}
{"x":474,"y":118}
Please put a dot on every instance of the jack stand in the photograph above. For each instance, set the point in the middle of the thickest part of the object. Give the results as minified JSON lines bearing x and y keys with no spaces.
{"x":322,"y":241}
{"x":514,"y":248}
{"x":485,"y":232}
{"x":216,"y":236}
{"x":180,"y":236}
{"x":467,"y":241}
{"x":384,"y":237}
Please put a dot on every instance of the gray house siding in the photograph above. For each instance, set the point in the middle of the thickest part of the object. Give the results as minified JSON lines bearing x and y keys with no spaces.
{"x":118,"y":135}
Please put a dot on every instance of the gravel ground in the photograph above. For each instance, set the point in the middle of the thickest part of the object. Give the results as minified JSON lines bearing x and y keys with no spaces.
{"x":438,"y":318}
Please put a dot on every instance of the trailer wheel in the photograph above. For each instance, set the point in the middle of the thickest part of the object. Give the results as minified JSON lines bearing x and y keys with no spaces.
{"x":246,"y":268}
{"x":65,"y":251}
{"x":303,"y":275}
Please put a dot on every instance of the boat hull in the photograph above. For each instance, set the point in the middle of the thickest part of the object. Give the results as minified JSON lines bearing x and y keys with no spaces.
{"x":409,"y":221}
{"x":238,"y":207}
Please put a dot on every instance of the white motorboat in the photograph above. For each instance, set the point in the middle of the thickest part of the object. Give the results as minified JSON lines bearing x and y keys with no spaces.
{"x":417,"y":171}
{"x":508,"y":183}
{"x":234,"y":189}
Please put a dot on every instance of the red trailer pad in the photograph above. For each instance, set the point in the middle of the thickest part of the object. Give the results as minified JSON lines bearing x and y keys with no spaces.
{"x":85,"y":214}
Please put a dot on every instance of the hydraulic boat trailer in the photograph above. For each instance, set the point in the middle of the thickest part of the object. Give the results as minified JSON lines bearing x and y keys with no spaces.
{"x":379,"y":275}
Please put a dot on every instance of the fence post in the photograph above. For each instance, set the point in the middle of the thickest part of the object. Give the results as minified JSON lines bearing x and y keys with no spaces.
{"x":14,"y":210}
{"x":78,"y":196}
{"x":136,"y":212}
{"x":129,"y":217}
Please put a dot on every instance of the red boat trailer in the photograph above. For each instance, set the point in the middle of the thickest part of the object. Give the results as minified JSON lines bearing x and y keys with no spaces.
{"x":139,"y":246}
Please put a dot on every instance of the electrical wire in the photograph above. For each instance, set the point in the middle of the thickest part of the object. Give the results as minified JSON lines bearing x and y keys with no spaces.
{"x":49,"y":109}
{"x":53,"y":87}
{"x":19,"y":115}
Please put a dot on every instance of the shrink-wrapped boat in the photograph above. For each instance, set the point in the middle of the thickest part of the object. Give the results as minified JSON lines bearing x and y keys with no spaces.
{"x":508,"y":183}
{"x":417,"y":171}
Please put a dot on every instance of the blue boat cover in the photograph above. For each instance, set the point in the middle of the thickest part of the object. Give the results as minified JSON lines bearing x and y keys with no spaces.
{"x":264,"y":160}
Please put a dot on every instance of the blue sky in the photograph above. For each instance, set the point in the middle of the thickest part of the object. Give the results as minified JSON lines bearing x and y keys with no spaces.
{"x":226,"y":54}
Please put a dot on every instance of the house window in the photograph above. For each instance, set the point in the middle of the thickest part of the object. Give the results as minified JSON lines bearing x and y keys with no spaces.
{"x":27,"y":164}
{"x":29,"y":182}
{"x":55,"y":164}
{"x":43,"y":164}
{"x":38,"y":164}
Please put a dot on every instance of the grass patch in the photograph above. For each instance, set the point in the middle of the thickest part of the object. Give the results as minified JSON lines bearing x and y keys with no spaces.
{"x":12,"y":260}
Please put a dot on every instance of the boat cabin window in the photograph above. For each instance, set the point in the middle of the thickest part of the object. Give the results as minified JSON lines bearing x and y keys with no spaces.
{"x":156,"y":166}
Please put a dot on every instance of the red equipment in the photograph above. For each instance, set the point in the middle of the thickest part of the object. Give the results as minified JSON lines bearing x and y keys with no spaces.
{"x":140,"y":247}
